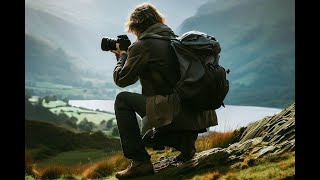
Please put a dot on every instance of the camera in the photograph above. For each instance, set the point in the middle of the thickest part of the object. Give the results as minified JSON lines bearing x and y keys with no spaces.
{"x":108,"y":44}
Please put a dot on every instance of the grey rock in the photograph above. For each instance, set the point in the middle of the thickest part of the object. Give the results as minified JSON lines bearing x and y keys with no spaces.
{"x":271,"y":135}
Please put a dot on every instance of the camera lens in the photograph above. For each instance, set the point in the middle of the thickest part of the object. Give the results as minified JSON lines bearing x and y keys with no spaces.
{"x":108,"y":44}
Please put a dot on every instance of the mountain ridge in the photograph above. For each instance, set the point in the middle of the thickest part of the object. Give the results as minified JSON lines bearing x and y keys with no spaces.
{"x":257,"y":46}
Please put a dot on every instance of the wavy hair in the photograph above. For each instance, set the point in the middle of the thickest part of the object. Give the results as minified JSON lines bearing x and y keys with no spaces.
{"x":142,"y":17}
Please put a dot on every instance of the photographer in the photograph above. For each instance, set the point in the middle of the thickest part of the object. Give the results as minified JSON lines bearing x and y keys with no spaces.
{"x":154,"y":63}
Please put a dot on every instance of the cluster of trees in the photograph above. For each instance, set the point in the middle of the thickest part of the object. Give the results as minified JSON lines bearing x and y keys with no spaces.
{"x":47,"y":99}
{"x":108,"y":125}
{"x":38,"y":112}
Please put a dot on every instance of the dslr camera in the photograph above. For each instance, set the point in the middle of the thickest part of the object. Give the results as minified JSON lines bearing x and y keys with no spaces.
{"x":108,"y":44}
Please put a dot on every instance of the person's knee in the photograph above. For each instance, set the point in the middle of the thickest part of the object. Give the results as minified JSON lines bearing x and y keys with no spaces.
{"x":121,"y":98}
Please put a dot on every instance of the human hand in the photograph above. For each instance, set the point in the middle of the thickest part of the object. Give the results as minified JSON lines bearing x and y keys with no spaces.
{"x":118,"y":51}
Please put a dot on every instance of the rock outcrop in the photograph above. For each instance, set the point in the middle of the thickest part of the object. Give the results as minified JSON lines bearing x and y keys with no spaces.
{"x":271,"y":135}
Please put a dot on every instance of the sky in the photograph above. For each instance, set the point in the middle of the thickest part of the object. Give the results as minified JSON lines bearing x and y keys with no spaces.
{"x":95,"y":12}
{"x":100,"y":18}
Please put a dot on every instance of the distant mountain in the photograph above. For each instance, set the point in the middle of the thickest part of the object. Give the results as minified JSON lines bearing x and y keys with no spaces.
{"x":77,"y":27}
{"x":258,"y":46}
{"x":44,"y":62}
{"x":77,"y":41}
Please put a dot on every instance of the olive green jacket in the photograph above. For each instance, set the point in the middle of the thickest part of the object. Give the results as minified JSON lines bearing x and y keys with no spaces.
{"x":153,"y":63}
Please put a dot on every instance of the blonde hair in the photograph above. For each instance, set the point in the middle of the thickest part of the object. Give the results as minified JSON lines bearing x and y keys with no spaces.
{"x":142,"y":17}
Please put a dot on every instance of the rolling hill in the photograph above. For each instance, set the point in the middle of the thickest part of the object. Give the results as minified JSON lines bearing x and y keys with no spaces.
{"x":50,"y":139}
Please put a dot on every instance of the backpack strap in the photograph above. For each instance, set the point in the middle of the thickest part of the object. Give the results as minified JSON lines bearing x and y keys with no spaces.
{"x":157,"y":36}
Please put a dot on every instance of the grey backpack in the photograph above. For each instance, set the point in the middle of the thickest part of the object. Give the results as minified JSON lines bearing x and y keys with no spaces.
{"x":203,"y":84}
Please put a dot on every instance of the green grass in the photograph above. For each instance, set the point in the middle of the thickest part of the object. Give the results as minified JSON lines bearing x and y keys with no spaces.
{"x":78,"y":157}
{"x":53,"y":104}
{"x":266,"y":170}
{"x":29,"y":178}
{"x":108,"y":133}
{"x":217,"y":139}
{"x":93,"y":116}
{"x":56,"y":110}
{"x":45,"y":140}
{"x":33,"y":99}
{"x":58,"y":106}
{"x":269,"y":167}
{"x":272,"y":167}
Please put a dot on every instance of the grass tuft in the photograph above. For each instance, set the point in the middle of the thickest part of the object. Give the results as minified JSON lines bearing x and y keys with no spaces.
{"x":211,"y":175}
{"x":218,"y":139}
{"x":54,"y":172}
{"x":105,"y":168}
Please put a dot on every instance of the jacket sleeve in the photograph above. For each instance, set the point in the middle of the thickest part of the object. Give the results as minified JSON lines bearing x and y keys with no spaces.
{"x":130,"y":65}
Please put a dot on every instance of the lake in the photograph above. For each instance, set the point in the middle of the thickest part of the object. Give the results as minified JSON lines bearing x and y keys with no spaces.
{"x":229,"y":118}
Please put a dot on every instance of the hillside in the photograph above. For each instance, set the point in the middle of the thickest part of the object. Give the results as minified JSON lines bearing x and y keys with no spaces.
{"x":81,"y":44}
{"x":270,"y":138}
{"x":49,"y":139}
{"x":264,"y":149}
{"x":47,"y":63}
{"x":59,"y":52}
{"x":258,"y":46}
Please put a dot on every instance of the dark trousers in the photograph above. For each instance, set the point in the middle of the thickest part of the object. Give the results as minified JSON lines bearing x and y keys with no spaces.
{"x":126,"y":105}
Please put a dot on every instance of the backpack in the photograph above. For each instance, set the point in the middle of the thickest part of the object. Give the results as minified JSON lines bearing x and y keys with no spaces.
{"x":203,"y":84}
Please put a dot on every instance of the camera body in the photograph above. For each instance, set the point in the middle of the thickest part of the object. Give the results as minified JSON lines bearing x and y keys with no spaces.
{"x":108,"y":44}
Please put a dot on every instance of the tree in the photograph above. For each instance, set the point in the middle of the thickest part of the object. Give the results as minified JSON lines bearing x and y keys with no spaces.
{"x":54,"y":98}
{"x":85,"y":125}
{"x":66,"y":100}
{"x":40,"y":100}
{"x":62,"y":117}
{"x":72,"y":121}
{"x":109,"y":124}
{"x":115,"y":131}
{"x":46,"y":99}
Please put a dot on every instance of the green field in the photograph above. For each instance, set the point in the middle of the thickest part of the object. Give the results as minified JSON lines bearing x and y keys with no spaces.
{"x":73,"y":158}
{"x":93,"y":116}
{"x":59,"y":106}
{"x":53,"y":104}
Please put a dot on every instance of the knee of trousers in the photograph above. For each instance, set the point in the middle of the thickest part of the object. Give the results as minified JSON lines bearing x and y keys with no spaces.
{"x":120,"y":99}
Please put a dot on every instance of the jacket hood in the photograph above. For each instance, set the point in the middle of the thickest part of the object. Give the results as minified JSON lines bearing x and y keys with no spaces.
{"x":158,"y":28}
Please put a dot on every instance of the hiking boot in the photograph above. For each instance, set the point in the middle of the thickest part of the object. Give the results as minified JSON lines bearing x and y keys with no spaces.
{"x":187,"y":147}
{"x":136,"y":168}
{"x":185,"y":155}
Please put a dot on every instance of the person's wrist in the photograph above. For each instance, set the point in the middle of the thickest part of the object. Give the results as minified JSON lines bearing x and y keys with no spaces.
{"x":122,"y":58}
